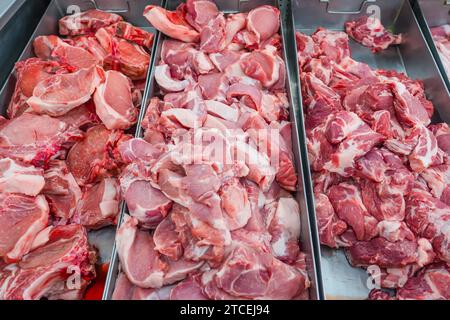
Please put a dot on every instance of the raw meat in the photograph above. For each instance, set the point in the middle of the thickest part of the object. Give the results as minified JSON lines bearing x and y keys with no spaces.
{"x":125,"y":290}
{"x":19,"y":178}
{"x":36,"y":139}
{"x":61,"y":268}
{"x":58,"y":94}
{"x":29,"y":74}
{"x":96,"y":156}
{"x":263,"y":22}
{"x":61,"y":190}
{"x":171,"y":23}
{"x":99,"y":205}
{"x":208,"y":187}
{"x":87,"y":22}
{"x":21,"y":218}
{"x":122,"y":55}
{"x":114,"y":103}
{"x":371,"y":33}
{"x":52,"y":47}
{"x":432,"y":283}
{"x":379,"y":167}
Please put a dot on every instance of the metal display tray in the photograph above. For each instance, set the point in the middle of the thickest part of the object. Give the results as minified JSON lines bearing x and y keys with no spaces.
{"x":413,"y":56}
{"x":131,"y":11}
{"x":433,"y":13}
{"x":307,"y":239}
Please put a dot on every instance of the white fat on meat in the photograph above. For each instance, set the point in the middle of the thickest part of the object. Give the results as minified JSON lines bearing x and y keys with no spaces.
{"x":159,"y":18}
{"x":140,"y":262}
{"x":21,"y":219}
{"x":114,"y":101}
{"x":19,"y":178}
{"x":222,"y":110}
{"x":61,"y":93}
{"x":165,"y":81}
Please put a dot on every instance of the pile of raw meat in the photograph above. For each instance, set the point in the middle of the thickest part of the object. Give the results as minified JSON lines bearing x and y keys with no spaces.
{"x":209,"y":186}
{"x":381,"y":170}
{"x":441,"y":37}
{"x":59,"y":153}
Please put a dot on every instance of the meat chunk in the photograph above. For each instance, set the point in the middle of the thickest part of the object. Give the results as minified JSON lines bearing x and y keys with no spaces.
{"x":61,"y":190}
{"x":122,"y":55}
{"x":22,"y":218}
{"x":171,"y":23}
{"x":140,"y":262}
{"x":329,"y":224}
{"x":87,"y":22}
{"x":46,"y":271}
{"x":60,"y":93}
{"x":431,"y":283}
{"x":251,"y":274}
{"x":114,"y":102}
{"x":20,"y":178}
{"x":371,"y":33}
{"x":263,"y":22}
{"x":96,"y":156}
{"x":52,"y":47}
{"x":347,"y":202}
{"x":36,"y":139}
{"x":29,"y":74}
{"x":100,"y":204}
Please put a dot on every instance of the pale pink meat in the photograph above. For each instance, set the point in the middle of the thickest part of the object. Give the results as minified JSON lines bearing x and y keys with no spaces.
{"x":16,"y":177}
{"x":114,"y":102}
{"x":86,"y":22}
{"x":58,"y":94}
{"x":22,"y":218}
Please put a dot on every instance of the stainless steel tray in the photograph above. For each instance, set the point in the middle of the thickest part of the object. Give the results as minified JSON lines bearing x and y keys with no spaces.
{"x":307,"y":241}
{"x":131,"y":11}
{"x":338,"y":278}
{"x":433,"y":13}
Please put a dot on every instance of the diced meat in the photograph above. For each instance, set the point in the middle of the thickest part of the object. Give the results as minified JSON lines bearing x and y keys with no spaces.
{"x":371,"y":33}
{"x":125,"y":290}
{"x":347,"y":202}
{"x":20,"y":178}
{"x":21,"y":218}
{"x":114,"y":103}
{"x":60,"y":93}
{"x":329,"y":224}
{"x":165,"y":80}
